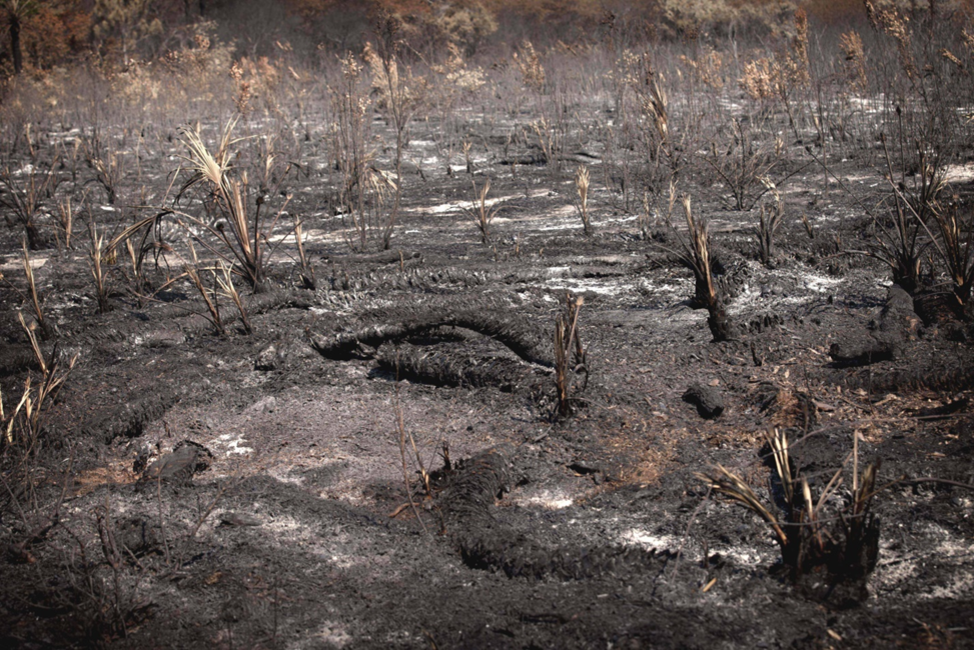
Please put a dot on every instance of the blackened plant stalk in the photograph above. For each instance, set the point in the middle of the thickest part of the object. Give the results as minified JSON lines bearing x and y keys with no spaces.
{"x":695,"y":254}
{"x":769,"y":221}
{"x":899,"y":247}
{"x":744,"y":166}
{"x":954,"y":242}
{"x":570,"y":357}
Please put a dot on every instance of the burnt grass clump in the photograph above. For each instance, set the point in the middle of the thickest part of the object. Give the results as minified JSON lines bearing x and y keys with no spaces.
{"x":641,"y":338}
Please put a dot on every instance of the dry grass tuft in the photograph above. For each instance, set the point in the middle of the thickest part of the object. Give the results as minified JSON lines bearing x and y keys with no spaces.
{"x":855,"y":60}
{"x":844,"y":545}
{"x":481,"y":212}
{"x":249,"y":240}
{"x":532,"y":70}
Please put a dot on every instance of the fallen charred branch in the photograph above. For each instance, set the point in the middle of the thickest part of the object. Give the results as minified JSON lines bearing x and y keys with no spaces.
{"x":452,"y":364}
{"x":512,"y":330}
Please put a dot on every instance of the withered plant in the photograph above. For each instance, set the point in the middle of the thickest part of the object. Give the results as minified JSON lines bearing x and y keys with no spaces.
{"x":34,"y":297}
{"x":248,"y":243}
{"x":570,"y":357}
{"x":407,"y":444}
{"x":209,"y":299}
{"x":363,"y":187}
{"x":745,"y":165}
{"x":24,"y":194}
{"x":106,"y":163}
{"x":812,"y":534}
{"x":65,"y":216}
{"x":307,"y":270}
{"x":581,"y":205}
{"x":100,"y":257}
{"x":401,"y":94}
{"x":23,"y":428}
{"x":222,"y":287}
{"x":481,"y":212}
{"x":695,"y":254}
{"x":224,"y":280}
{"x":769,"y":221}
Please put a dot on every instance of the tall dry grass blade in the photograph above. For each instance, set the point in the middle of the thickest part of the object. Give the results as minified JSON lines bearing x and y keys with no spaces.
{"x":225,"y":280}
{"x":34,"y":345}
{"x":35,"y":299}
{"x":211,"y":305}
{"x":581,"y":187}
{"x":725,"y":482}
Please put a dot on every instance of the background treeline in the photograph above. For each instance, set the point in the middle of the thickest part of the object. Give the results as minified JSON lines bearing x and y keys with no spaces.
{"x":36,"y":35}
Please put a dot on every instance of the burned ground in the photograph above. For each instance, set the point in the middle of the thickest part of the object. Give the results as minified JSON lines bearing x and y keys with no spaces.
{"x":192,"y":489}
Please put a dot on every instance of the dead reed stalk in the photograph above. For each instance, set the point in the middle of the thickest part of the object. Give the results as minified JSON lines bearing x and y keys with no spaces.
{"x":570,"y":357}
{"x":482,"y":213}
{"x":581,"y":186}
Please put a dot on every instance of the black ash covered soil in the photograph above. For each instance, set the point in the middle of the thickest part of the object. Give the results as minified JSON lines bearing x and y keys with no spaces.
{"x":248,"y":490}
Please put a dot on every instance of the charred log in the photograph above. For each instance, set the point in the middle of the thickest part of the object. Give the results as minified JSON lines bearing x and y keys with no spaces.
{"x":520,"y":336}
{"x":455,"y":365}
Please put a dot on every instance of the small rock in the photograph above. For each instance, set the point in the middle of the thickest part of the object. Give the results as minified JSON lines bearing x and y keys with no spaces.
{"x":708,"y":400}
{"x":267,"y":359}
{"x":238,"y":519}
{"x":265,"y":405}
{"x":186,"y":460}
{"x":898,"y":314}
{"x":861,"y":349}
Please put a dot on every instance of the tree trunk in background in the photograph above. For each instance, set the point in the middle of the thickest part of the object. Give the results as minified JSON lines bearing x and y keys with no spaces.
{"x":17,"y":55}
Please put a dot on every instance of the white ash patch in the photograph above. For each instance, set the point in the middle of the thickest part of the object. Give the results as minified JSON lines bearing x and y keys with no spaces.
{"x":900,"y":569}
{"x":671,"y":289}
{"x":328,"y":634}
{"x":605,"y":286}
{"x":959,"y":173}
{"x":639,"y":537}
{"x":869,"y":105}
{"x":286,"y":529}
{"x":458,"y":206}
{"x":769,"y":289}
{"x":547,"y":499}
{"x":233,"y":445}
{"x":741,"y":555}
{"x":284,"y":475}
{"x":17,"y":263}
